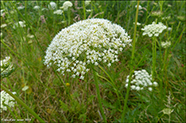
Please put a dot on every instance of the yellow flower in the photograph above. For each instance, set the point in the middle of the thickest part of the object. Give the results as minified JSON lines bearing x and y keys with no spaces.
{"x":67,"y":84}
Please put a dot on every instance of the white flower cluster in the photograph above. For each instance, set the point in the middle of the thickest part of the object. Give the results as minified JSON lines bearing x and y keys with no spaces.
{"x":20,"y":23}
{"x":86,"y":42}
{"x":165,"y":44}
{"x":154,"y":29}
{"x":36,"y":7}
{"x":6,"y":66}
{"x":140,"y":80}
{"x":139,"y":7}
{"x":2,"y":12}
{"x":20,"y":7}
{"x":6,"y":100}
{"x":58,"y":12}
{"x":166,"y":18}
{"x":52,"y":5}
{"x":87,"y":2}
{"x":66,"y":5}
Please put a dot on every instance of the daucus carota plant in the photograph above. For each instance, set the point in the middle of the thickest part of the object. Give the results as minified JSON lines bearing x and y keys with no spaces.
{"x":153,"y":30}
{"x":86,"y":42}
{"x":6,"y":100}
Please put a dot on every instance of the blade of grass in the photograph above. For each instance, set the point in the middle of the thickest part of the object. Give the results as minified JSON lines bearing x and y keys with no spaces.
{"x":131,"y":65}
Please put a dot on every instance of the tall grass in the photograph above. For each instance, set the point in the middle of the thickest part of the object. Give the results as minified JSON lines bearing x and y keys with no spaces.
{"x":101,"y":96}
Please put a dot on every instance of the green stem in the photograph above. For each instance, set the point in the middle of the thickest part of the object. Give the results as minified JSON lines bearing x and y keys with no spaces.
{"x":98,"y":96}
{"x":165,"y":66}
{"x":84,"y":10}
{"x":131,"y":65}
{"x":69,"y":16}
{"x":22,"y":103}
{"x":153,"y":57}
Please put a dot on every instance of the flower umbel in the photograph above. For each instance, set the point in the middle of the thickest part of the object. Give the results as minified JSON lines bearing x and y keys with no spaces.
{"x":140,"y":80}
{"x":66,"y":5}
{"x":58,"y":12}
{"x":86,"y":42}
{"x":20,"y":23}
{"x":6,"y":67}
{"x":6,"y":100}
{"x":52,"y":5}
{"x":165,"y":44}
{"x":154,"y":29}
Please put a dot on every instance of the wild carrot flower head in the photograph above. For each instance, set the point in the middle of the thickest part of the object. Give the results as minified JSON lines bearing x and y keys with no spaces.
{"x":2,"y":12}
{"x":86,"y":42}
{"x":165,"y":44}
{"x":20,"y":7}
{"x":20,"y":23}
{"x":157,"y":13}
{"x":140,"y":80}
{"x":153,"y":29}
{"x":6,"y":66}
{"x":67,"y":4}
{"x":6,"y":100}
{"x":58,"y":12}
{"x":87,"y":2}
{"x":52,"y":5}
{"x":36,"y":7}
{"x":139,"y":7}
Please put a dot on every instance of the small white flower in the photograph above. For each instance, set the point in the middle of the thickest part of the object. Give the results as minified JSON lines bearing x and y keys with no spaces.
{"x":20,"y":23}
{"x":73,"y":76}
{"x":3,"y":25}
{"x":137,"y":88}
{"x":133,"y":87}
{"x":66,"y":5}
{"x":126,"y":85}
{"x":81,"y":77}
{"x":139,"y":7}
{"x":36,"y":7}
{"x":58,"y":12}
{"x":155,"y":84}
{"x":25,"y":88}
{"x":165,"y":44}
{"x":96,"y":63}
{"x":150,"y":89}
{"x":20,"y":7}
{"x":88,"y":10}
{"x":87,"y":2}
{"x":30,"y":36}
{"x":137,"y":23}
{"x":109,"y":64}
{"x":169,"y":28}
{"x":2,"y":12}
{"x":52,"y":5}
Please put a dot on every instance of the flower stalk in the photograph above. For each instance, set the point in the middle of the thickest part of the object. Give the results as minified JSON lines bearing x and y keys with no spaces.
{"x":131,"y":65}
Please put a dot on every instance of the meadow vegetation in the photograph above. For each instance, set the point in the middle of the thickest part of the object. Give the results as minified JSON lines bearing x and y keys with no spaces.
{"x":145,"y":83}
